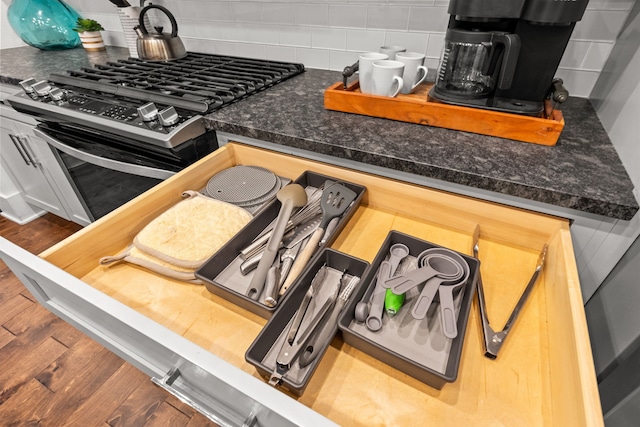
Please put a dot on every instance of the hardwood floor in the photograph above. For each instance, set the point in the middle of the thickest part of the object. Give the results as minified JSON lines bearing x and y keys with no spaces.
{"x":53,"y":375}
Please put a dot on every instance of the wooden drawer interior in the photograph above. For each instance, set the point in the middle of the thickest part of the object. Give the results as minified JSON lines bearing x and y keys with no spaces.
{"x":543,"y":376}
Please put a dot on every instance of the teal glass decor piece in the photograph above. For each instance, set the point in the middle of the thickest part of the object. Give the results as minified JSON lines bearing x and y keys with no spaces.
{"x":45,"y":24}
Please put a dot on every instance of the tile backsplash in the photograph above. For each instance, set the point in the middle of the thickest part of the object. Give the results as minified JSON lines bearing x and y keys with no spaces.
{"x":329,"y":34}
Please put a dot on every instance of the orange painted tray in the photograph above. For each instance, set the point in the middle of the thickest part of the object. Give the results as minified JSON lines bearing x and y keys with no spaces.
{"x":418,"y":108}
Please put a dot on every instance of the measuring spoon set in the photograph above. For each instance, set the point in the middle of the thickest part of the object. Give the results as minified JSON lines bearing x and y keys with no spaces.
{"x":441,"y":271}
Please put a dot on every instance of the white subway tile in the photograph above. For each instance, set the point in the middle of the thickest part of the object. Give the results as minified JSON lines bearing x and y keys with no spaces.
{"x":329,"y":38}
{"x":109,"y":22}
{"x":597,"y":56}
{"x":574,"y":54}
{"x":223,"y":48}
{"x":579,"y":83}
{"x":112,"y":38}
{"x":229,"y":31}
{"x":348,"y":16}
{"x":432,"y":63}
{"x":313,"y":58}
{"x":277,"y":13}
{"x":252,"y":50}
{"x":189,"y":28}
{"x":339,"y":59}
{"x":365,"y":40}
{"x":435,"y":46}
{"x":428,"y":18}
{"x":620,"y":4}
{"x":281,"y":53}
{"x":388,"y":17}
{"x":187,"y":10}
{"x":246,"y":11}
{"x":410,"y":2}
{"x":414,"y":42}
{"x":294,"y":36}
{"x":599,"y":25}
{"x":311,"y":14}
{"x":213,"y":11}
{"x":597,"y":5}
{"x":255,"y":33}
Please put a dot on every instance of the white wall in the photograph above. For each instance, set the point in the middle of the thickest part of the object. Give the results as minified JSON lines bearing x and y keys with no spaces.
{"x":329,"y":34}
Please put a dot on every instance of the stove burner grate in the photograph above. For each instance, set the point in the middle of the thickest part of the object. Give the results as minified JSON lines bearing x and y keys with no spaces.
{"x":211,"y":81}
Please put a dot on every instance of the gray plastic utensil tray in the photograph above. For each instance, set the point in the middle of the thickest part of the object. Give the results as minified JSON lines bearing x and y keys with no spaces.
{"x":232,"y":284}
{"x":415,"y":347}
{"x":264,"y":350}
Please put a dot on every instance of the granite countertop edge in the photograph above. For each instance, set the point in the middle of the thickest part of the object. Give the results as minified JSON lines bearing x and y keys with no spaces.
{"x":555,"y":198}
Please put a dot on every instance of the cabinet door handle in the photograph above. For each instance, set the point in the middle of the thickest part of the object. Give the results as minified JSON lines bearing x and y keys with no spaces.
{"x":166,"y":383}
{"x":28,"y":151}
{"x":20,"y":148}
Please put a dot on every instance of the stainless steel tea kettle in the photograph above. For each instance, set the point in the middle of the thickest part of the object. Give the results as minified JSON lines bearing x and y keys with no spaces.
{"x":159,"y":46}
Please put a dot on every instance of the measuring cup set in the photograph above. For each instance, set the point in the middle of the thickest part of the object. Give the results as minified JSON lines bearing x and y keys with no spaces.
{"x":441,"y":270}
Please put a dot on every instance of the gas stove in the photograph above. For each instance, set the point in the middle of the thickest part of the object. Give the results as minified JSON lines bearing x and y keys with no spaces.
{"x":157,"y":103}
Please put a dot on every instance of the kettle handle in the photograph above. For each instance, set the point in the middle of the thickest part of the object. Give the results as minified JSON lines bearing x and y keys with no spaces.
{"x":511,"y":43}
{"x":174,"y":24}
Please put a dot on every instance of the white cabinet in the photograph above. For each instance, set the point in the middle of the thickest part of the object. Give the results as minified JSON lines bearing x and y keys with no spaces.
{"x":32,"y":166}
{"x":25,"y":158}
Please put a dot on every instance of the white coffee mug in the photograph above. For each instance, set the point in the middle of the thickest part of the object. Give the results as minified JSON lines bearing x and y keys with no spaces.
{"x":414,"y":70}
{"x":365,"y":67}
{"x":387,"y":77}
{"x":391,"y":51}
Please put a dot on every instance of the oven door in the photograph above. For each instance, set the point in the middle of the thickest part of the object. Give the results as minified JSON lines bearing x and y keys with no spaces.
{"x":103,"y":175}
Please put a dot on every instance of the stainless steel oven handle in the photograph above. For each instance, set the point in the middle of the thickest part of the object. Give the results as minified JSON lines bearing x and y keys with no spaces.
{"x":105,"y":163}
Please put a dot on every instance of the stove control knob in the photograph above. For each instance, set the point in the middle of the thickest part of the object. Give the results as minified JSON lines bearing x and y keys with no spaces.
{"x":168,"y":116}
{"x":57,"y":94}
{"x":148,"y":112}
{"x":42,"y":88}
{"x":27,"y":85}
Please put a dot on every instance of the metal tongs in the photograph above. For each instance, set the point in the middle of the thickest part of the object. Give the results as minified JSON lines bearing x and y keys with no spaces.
{"x":493,"y":340}
{"x":297,"y":338}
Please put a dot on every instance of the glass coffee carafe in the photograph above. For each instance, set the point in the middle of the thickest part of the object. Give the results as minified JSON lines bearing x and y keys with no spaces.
{"x":474,"y":63}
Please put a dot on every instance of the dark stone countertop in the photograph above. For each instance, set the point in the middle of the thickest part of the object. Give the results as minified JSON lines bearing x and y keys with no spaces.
{"x":582,"y":171}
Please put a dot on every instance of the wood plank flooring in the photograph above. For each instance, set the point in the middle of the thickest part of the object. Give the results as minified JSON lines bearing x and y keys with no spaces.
{"x":52,"y":375}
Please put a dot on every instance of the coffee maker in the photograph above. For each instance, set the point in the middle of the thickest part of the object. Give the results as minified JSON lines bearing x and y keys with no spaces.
{"x":503,"y":54}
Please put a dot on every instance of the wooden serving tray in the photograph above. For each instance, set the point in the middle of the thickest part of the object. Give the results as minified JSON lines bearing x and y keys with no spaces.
{"x":418,"y":108}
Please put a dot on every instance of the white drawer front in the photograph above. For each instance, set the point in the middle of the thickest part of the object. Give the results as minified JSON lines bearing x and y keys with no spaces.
{"x":219,"y":390}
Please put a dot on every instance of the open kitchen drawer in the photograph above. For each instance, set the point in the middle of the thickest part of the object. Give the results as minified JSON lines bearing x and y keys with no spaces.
{"x":543,"y":376}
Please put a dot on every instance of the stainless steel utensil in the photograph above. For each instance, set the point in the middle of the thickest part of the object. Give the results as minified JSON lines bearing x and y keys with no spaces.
{"x":296,"y":236}
{"x":324,"y":332}
{"x":287,"y":258}
{"x":335,"y":200}
{"x":297,"y":339}
{"x":290,"y":196}
{"x":271,"y":284}
{"x":309,"y":211}
{"x":493,"y":340}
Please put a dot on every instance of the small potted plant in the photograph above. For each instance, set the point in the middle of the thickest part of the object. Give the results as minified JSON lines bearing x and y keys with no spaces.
{"x":89,"y":32}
